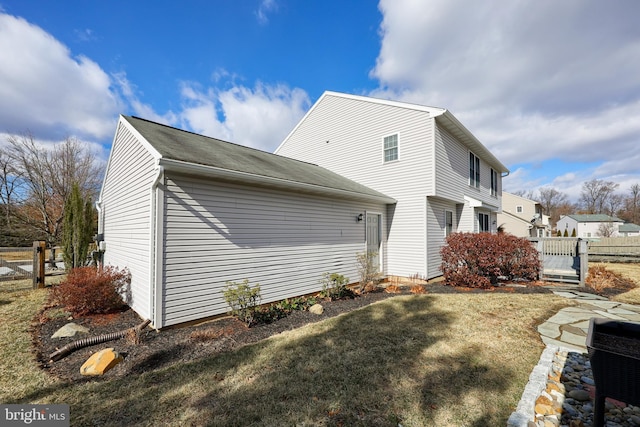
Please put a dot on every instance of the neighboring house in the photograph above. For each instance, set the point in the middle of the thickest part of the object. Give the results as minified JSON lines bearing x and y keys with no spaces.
{"x":186,"y":214}
{"x":523,"y":217}
{"x":590,"y":225}
{"x":443,"y":178}
{"x":629,"y":230}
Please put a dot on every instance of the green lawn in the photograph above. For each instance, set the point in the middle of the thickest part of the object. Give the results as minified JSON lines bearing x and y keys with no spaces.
{"x":419,"y":360}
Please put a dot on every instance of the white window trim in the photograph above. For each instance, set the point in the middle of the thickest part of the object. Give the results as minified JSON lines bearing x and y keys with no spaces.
{"x":519,"y":209}
{"x":397,"y":148}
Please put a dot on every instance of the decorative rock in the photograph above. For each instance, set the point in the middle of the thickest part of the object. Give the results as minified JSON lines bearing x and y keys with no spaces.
{"x":316,"y":309}
{"x":70,"y":330}
{"x":101,"y":362}
{"x":580,"y":395}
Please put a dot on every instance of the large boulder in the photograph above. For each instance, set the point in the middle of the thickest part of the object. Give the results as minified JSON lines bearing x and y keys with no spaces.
{"x":101,"y":362}
{"x":70,"y":330}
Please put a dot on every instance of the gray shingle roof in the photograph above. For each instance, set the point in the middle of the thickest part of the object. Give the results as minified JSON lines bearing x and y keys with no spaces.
{"x":195,"y":149}
{"x":595,"y":218}
{"x":629,"y":228}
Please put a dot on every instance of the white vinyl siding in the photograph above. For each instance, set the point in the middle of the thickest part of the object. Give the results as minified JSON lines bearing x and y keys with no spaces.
{"x":436,"y":227}
{"x":217,"y":232}
{"x":452,"y":166}
{"x":125,"y":219}
{"x":344,"y":135}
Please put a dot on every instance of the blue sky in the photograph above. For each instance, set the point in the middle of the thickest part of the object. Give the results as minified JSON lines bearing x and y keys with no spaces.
{"x":552,"y":88}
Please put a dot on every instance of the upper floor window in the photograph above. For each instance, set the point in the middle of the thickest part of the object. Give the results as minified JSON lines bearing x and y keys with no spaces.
{"x":391,"y":148}
{"x":474,"y":170}
{"x":519,"y":209}
{"x":494,"y":182}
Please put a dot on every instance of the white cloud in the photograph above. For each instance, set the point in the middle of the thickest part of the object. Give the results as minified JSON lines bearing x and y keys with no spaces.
{"x":139,"y":108}
{"x":533,"y":81}
{"x":47,"y":91}
{"x":266,"y":7}
{"x":260,"y":117}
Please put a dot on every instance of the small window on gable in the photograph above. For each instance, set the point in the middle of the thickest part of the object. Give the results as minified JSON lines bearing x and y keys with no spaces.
{"x":474,"y":170}
{"x":519,"y":209}
{"x":391,"y":148}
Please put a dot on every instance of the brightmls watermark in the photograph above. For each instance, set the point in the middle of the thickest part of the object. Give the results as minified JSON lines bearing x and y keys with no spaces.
{"x":34,"y":415}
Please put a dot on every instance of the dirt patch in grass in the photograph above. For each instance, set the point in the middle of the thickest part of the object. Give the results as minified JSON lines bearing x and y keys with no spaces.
{"x":159,"y":349}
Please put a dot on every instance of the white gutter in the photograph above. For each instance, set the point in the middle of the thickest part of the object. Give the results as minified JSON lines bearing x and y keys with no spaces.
{"x":156,"y":302}
{"x":246,"y":177}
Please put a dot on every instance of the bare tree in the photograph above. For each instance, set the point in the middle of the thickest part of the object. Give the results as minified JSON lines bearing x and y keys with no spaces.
{"x":48,"y":176}
{"x":596,"y":195}
{"x":9,"y":183}
{"x":552,"y":202}
{"x":606,"y":229}
{"x":527,"y":194}
{"x":631,"y":211}
{"x":613,"y":204}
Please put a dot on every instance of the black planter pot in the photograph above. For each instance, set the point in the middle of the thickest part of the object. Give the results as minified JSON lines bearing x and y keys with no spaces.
{"x":614,"y":352}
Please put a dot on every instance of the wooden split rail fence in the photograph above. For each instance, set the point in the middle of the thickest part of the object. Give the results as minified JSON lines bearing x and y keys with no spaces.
{"x":23,"y":263}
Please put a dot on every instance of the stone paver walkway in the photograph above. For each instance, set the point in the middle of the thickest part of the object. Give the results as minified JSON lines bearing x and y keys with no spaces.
{"x":568,"y":328}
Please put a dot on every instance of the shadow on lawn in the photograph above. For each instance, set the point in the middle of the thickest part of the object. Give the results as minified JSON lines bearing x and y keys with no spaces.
{"x":367,"y":367}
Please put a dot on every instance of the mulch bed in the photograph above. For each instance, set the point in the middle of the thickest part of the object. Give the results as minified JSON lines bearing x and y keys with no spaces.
{"x":159,"y":349}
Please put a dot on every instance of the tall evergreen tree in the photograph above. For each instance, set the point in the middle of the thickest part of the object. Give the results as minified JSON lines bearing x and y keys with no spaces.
{"x":77,"y":229}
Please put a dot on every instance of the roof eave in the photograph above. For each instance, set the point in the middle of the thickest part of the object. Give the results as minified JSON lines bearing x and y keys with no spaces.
{"x":453,"y":125}
{"x":266,"y":181}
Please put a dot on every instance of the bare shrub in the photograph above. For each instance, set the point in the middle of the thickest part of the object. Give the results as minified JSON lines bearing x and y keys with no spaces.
{"x":88,"y":290}
{"x":478,"y":260}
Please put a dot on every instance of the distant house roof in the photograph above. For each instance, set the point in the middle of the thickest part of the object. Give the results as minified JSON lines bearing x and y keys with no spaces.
{"x":594,"y":218}
{"x":629,"y":228}
{"x":202,"y":155}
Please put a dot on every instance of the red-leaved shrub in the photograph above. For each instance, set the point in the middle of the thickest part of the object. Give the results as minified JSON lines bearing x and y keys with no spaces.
{"x":88,"y":290}
{"x":477,"y":260}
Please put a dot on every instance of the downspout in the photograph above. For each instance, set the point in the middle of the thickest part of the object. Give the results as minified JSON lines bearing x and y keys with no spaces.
{"x":154,"y":247}
{"x":100,"y":236}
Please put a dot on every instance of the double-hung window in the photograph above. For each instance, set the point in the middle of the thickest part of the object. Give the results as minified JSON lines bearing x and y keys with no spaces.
{"x":483,"y":222}
{"x":494,"y":182}
{"x":390,"y":148}
{"x":474,"y":170}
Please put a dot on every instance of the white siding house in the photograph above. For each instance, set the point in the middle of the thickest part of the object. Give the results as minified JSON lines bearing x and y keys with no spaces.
{"x":187,"y":213}
{"x":589,"y":225}
{"x":443,"y":178}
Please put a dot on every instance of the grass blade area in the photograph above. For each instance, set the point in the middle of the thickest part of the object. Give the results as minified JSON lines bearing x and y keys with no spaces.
{"x":419,"y":360}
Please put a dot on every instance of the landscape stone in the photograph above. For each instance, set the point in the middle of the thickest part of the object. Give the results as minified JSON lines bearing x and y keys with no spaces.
{"x":101,"y":362}
{"x":580,"y":395}
{"x":70,"y":330}
{"x":316,"y":309}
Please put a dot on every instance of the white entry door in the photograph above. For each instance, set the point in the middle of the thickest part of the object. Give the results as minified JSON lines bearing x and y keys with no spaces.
{"x":373,"y":235}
